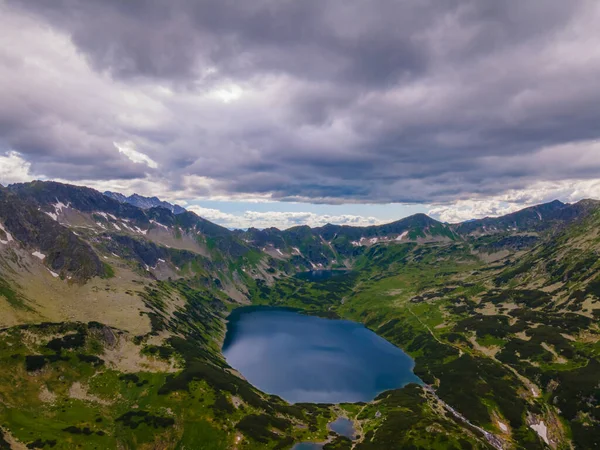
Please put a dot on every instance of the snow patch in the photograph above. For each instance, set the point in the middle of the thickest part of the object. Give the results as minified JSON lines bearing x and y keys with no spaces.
{"x":9,"y":237}
{"x":402,"y":236}
{"x":297,"y":250}
{"x":39,"y":255}
{"x":503,"y":426}
{"x":159,"y":224}
{"x":139,"y":230}
{"x":59,"y":206}
{"x":116,"y":226}
{"x":54,"y":274}
{"x":541,"y":430}
{"x":52,"y":215}
{"x":279,"y":251}
{"x":373,"y":240}
{"x":106,"y":215}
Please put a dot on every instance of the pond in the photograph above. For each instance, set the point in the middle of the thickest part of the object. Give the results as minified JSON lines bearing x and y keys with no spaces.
{"x":343,"y":427}
{"x":321,"y":275}
{"x":307,"y":446}
{"x":311,"y":359}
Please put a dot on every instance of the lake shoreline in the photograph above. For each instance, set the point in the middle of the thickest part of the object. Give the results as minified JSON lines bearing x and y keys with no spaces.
{"x":310,"y":359}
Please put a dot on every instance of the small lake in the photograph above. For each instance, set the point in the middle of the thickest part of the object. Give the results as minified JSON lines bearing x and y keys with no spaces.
{"x":307,"y":446}
{"x":321,"y":275}
{"x":343,"y":427}
{"x":311,"y":359}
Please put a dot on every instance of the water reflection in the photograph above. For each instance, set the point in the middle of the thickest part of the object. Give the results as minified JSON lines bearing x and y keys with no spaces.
{"x":310,"y":359}
{"x":343,"y":427}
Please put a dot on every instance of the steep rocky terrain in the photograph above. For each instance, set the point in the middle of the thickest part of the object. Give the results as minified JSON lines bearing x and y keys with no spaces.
{"x":145,"y":202}
{"x":112,"y":318}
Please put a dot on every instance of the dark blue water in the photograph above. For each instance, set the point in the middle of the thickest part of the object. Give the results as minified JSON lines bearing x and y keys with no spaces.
{"x":321,"y":275}
{"x":307,"y":446}
{"x":310,"y":359}
{"x":343,"y":427}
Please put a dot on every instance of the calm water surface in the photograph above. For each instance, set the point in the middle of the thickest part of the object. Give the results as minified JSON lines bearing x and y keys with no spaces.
{"x":343,"y":427}
{"x":310,"y":359}
{"x":307,"y":446}
{"x":321,"y":275}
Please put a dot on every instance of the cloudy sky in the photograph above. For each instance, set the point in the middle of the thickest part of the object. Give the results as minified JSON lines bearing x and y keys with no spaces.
{"x":277,"y":112}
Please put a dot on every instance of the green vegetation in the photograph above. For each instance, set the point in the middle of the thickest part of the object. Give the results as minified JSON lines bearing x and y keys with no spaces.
{"x":109,"y":272}
{"x":503,"y":326}
{"x":11,"y":296}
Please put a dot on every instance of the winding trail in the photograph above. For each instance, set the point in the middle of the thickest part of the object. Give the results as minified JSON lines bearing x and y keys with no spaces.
{"x":494,"y":440}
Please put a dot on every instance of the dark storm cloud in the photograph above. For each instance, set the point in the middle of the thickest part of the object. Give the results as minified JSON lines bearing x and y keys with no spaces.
{"x":414,"y":101}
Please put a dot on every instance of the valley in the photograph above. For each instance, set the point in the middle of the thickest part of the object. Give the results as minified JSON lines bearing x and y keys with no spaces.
{"x":113,"y":318}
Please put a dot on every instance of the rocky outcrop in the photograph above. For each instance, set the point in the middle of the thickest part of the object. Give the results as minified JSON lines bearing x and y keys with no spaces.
{"x":64,"y":252}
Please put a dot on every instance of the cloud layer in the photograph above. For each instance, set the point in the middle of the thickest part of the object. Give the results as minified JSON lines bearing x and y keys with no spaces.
{"x":343,"y":101}
{"x":278,"y":219}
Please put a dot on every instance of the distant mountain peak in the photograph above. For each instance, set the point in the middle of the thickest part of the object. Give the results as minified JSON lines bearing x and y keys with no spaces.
{"x":145,"y":202}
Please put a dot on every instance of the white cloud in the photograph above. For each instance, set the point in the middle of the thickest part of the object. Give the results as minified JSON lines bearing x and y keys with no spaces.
{"x":472,"y":209}
{"x":128,"y":149}
{"x":281,"y":220}
{"x":14,"y":169}
{"x":569,"y":191}
{"x":227,"y":94}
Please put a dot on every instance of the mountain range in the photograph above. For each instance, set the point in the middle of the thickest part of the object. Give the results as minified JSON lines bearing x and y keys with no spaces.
{"x":112,"y":313}
{"x":144,"y":202}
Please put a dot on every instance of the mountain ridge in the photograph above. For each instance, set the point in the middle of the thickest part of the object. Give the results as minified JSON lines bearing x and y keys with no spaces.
{"x":144,"y":202}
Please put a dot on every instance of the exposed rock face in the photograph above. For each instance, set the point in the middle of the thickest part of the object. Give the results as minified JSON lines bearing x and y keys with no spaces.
{"x":145,"y":202}
{"x":65,"y":253}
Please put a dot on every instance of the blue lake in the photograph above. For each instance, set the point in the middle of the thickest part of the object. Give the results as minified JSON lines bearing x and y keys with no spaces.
{"x":343,"y":427}
{"x":310,"y":359}
{"x":321,"y":275}
{"x":307,"y":446}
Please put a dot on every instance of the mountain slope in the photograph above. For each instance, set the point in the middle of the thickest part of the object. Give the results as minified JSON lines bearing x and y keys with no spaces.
{"x":61,"y":250}
{"x":533,"y":219}
{"x":86,"y":208}
{"x":339,"y":245}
